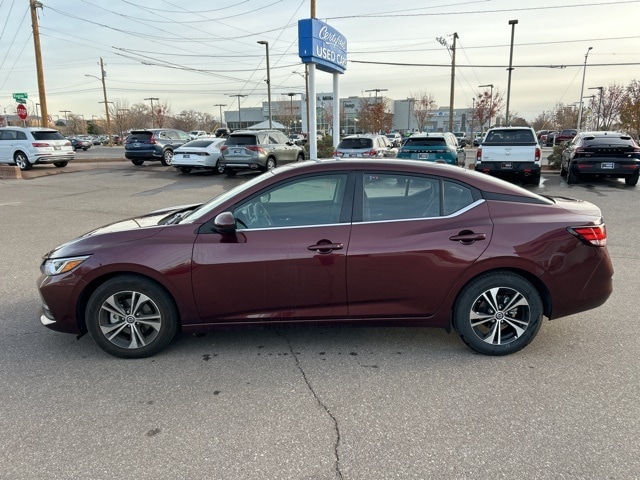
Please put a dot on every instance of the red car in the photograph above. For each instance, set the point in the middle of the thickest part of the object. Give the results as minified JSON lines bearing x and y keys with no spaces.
{"x":361,"y":241}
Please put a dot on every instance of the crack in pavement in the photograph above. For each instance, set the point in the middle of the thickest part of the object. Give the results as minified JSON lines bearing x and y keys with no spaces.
{"x":336,"y":427}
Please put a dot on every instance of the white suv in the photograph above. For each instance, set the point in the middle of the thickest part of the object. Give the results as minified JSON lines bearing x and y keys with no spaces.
{"x":29,"y":146}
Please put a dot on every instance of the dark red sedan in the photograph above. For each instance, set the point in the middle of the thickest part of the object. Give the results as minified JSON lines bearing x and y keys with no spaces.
{"x":360,"y":241}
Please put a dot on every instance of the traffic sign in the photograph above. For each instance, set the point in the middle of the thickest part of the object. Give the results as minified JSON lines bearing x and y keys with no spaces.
{"x":21,"y":110}
{"x":20,"y":95}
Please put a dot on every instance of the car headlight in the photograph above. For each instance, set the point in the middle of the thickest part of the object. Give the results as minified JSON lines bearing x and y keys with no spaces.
{"x":56,"y":266}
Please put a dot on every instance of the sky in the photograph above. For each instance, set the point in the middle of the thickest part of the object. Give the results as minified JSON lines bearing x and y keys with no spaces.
{"x":194,"y":55}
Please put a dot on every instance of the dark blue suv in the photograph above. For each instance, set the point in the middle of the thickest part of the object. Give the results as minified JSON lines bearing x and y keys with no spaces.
{"x":153,"y":144}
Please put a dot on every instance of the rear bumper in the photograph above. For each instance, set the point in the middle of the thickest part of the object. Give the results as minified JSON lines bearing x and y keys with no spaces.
{"x":54,"y":157}
{"x":509,"y":168}
{"x":142,"y":155}
{"x":609,"y":168}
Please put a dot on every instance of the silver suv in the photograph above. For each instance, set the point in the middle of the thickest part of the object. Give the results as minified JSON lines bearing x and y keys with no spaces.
{"x":28,"y":146}
{"x":365,"y":146}
{"x":258,"y":150}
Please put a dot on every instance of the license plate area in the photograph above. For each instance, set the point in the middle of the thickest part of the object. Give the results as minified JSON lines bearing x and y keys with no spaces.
{"x":506,"y":166}
{"x":607,"y":165}
{"x":186,"y":155}
{"x":56,"y":147}
{"x":237,"y":151}
{"x":423,"y":156}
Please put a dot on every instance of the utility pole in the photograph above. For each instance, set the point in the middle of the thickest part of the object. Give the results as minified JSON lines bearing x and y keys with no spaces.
{"x":513,"y":24}
{"x":221,"y":105}
{"x":442,"y":41}
{"x":44,"y":119}
{"x":152,"y":99}
{"x":106,"y":103}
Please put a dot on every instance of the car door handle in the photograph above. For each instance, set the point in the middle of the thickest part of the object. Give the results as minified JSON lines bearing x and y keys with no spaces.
{"x":325,"y":246}
{"x":467,"y":237}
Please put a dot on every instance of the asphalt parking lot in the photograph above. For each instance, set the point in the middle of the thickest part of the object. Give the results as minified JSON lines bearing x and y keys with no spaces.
{"x":304,"y":403}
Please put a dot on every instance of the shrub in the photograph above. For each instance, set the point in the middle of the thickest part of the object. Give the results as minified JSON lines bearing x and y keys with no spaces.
{"x":556,"y":157}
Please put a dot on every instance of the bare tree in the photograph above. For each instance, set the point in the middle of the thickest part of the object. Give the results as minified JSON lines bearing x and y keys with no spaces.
{"x":487,"y":106}
{"x":630,"y":110}
{"x":424,"y":105}
{"x":565,"y":116}
{"x":613,"y":98}
{"x":373,"y":115}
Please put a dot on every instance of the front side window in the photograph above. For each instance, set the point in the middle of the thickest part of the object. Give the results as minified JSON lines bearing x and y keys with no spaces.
{"x":311,"y":200}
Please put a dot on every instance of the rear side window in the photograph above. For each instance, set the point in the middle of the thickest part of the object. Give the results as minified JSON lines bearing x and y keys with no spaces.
{"x":46,"y":135}
{"x":244,"y":139}
{"x":425,"y":142}
{"x":356,"y":143}
{"x":388,"y":197}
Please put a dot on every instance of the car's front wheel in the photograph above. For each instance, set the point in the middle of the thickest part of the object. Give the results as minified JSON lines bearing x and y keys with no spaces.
{"x":167,"y":158}
{"x":131,"y":317}
{"x":498,"y":313}
{"x":21,"y":160}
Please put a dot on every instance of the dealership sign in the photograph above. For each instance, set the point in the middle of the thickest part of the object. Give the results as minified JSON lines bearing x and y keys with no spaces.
{"x":323,"y":45}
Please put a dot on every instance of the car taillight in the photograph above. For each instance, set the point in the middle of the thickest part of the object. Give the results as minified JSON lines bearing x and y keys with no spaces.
{"x":40,"y":144}
{"x":479,"y":154}
{"x":255,"y":148}
{"x":371,"y":153}
{"x":223,"y":148}
{"x":152,"y":139}
{"x":538,"y":154}
{"x":596,"y":236}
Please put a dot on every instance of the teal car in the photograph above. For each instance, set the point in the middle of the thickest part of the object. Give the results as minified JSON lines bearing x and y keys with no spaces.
{"x":433,"y":147}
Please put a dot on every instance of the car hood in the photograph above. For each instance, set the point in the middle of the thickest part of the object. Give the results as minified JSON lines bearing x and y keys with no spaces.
{"x":131,"y":229}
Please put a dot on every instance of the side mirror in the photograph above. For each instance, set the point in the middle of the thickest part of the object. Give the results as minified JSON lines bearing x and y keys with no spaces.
{"x":225,"y":223}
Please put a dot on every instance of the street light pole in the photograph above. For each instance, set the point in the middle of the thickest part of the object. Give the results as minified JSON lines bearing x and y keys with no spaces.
{"x":239,"y":95}
{"x":266,"y":44}
{"x":599,"y":104}
{"x":584,"y":72}
{"x":66,"y":122}
{"x":306,"y":90}
{"x":513,"y":24}
{"x":409,"y":100}
{"x":490,"y":101}
{"x":221,"y":105}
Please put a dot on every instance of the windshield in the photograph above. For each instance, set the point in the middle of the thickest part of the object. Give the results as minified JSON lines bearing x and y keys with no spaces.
{"x":205,"y":208}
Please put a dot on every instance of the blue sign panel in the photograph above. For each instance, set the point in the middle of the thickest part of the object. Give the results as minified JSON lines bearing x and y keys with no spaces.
{"x":323,"y":45}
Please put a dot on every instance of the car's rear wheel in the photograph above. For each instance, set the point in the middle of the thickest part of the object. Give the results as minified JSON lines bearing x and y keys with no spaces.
{"x":572,"y":177}
{"x":219,"y":168}
{"x":270,"y":165}
{"x":534,"y":179}
{"x":21,"y":160}
{"x":60,"y":164}
{"x":185,"y":170}
{"x":131,"y":317}
{"x":229,"y":172}
{"x":137,"y":162}
{"x":300,"y":157}
{"x":632,"y":181}
{"x":167,"y":158}
{"x":498,"y":313}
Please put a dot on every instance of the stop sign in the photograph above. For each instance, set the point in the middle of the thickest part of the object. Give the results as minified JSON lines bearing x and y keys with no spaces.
{"x":21,"y":110}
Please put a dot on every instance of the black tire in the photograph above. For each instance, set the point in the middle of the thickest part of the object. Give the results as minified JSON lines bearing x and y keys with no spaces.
{"x":60,"y":164}
{"x":219,"y":168}
{"x":498,"y":313}
{"x":270,"y":164}
{"x":137,"y":162}
{"x":563,"y":171}
{"x":230,"y":173}
{"x":534,"y":179}
{"x":167,"y":157}
{"x":22,"y":161}
{"x":85,"y":148}
{"x":118,"y":330}
{"x":185,"y":170}
{"x":300,"y":157}
{"x":632,"y":181}
{"x":572,"y":178}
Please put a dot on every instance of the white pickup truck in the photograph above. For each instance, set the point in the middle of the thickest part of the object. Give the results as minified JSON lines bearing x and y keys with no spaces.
{"x":510,"y":152}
